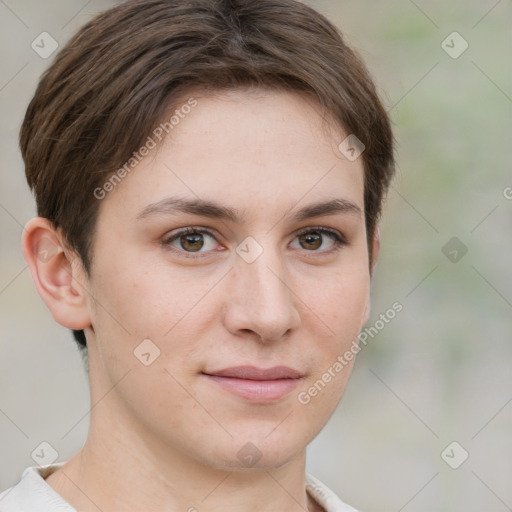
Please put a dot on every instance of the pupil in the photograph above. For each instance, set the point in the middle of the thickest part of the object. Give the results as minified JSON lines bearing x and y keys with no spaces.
{"x":194,"y":242}
{"x":313,"y":239}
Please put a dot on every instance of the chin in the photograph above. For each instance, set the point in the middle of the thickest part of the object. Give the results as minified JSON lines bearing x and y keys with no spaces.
{"x":242,"y":454}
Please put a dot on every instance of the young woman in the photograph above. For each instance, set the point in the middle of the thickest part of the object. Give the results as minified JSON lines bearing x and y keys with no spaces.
{"x":209,"y":176}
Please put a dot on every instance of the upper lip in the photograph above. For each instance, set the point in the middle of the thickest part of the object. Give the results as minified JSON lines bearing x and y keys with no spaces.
{"x":254,"y":373}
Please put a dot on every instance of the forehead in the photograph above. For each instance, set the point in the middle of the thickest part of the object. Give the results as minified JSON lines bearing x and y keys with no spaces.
{"x":247,"y":119}
{"x":253,"y":148}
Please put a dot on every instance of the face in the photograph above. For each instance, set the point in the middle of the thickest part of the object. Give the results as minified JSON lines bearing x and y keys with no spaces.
{"x":230,"y":271}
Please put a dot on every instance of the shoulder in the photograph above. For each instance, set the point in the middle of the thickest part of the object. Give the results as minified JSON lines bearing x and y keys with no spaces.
{"x":325,"y":497}
{"x":33,"y":494}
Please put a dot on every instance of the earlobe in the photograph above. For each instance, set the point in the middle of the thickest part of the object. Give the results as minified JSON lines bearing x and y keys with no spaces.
{"x":54,"y":273}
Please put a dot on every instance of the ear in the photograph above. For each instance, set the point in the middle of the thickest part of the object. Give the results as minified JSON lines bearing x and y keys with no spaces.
{"x":375,"y":249}
{"x":57,"y":273}
{"x":373,"y":262}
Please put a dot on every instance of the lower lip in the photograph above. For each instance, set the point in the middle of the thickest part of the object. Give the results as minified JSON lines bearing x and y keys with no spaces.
{"x":258,"y":391}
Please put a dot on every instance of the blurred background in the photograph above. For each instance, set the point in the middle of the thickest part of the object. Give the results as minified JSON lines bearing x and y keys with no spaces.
{"x":426,"y":420}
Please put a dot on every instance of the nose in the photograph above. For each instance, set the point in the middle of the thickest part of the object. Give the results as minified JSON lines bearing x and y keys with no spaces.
{"x":261,"y":299}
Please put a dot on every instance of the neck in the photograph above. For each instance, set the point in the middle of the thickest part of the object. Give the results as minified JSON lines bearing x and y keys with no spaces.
{"x":120,"y":465}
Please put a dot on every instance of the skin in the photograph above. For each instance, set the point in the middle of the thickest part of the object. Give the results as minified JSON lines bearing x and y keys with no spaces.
{"x":165,"y":436}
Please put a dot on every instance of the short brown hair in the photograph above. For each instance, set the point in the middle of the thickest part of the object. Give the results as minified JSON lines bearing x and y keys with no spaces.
{"x":118,"y":76}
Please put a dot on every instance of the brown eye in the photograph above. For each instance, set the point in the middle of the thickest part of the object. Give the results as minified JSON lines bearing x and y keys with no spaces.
{"x":311,"y":240}
{"x":191,"y":240}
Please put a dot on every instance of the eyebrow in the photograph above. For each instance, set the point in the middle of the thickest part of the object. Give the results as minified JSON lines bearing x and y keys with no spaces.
{"x":210,"y":209}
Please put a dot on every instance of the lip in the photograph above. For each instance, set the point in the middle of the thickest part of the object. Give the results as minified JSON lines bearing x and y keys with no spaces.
{"x":258,"y":385}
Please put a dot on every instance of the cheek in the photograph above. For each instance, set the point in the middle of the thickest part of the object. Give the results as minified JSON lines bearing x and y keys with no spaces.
{"x":339,"y":311}
{"x":341,"y":304}
{"x":153,"y":301}
{"x":139,"y":297}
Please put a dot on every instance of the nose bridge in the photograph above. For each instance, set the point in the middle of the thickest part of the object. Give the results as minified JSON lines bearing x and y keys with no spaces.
{"x":265,"y":304}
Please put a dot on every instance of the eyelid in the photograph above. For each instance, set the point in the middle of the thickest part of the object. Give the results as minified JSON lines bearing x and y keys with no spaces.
{"x":166,"y":241}
{"x":337,"y":236}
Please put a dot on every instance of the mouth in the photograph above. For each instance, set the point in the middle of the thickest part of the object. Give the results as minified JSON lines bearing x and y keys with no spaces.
{"x":257,"y":385}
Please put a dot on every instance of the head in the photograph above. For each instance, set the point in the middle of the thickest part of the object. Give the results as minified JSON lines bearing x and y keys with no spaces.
{"x":231,"y":117}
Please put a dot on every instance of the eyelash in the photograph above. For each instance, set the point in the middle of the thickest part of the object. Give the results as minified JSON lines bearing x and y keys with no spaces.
{"x":339,"y":240}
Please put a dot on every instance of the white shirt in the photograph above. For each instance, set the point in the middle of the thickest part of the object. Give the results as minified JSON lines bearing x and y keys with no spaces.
{"x":33,"y":494}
